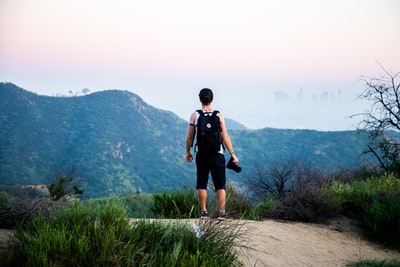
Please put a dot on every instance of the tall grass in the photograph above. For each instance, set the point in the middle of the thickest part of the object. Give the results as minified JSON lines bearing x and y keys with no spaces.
{"x":176,"y":204}
{"x":183,"y":203}
{"x":373,"y":202}
{"x":381,"y":218}
{"x":376,"y":263}
{"x":102,"y":235}
{"x":137,"y":205}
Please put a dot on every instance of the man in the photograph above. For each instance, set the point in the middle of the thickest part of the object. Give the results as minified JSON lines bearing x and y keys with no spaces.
{"x":207,"y":162}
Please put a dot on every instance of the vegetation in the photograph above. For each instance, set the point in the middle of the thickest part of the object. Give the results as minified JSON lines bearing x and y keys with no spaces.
{"x":376,"y":263}
{"x":176,"y":204}
{"x":87,"y":235}
{"x":382,"y":120}
{"x":103,"y":227}
{"x":119,"y":145}
{"x":17,"y":208}
{"x":20,"y":205}
{"x":63,"y":185}
{"x":137,"y":205}
{"x":373,"y":202}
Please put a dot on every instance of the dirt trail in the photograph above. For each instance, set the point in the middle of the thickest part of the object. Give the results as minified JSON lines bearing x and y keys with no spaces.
{"x":299,"y":244}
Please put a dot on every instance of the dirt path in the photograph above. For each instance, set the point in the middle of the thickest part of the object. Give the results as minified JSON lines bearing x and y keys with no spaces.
{"x":278,"y":244}
{"x":273,"y":243}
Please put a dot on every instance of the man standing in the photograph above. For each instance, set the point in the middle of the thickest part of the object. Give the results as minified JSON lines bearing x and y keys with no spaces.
{"x":209,"y":160}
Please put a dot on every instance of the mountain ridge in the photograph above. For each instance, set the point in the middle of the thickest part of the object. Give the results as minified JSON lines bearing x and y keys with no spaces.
{"x":121,"y":145}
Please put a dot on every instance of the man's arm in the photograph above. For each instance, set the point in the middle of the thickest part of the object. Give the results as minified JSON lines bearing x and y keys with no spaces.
{"x":190,"y":137}
{"x":226,"y":139}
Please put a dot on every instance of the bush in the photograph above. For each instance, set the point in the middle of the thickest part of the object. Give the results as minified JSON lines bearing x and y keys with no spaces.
{"x":20,"y":204}
{"x":236,"y":203}
{"x":176,"y":204}
{"x":376,"y":263}
{"x":17,"y":207}
{"x":63,"y":185}
{"x":305,"y":206}
{"x":349,"y":198}
{"x":374,"y":202}
{"x":381,"y":218}
{"x":137,"y":205}
{"x":263,"y":209}
{"x":102,"y":235}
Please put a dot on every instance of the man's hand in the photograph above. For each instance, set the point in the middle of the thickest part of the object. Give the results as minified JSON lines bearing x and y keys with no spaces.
{"x":189,"y":157}
{"x":235,"y":159}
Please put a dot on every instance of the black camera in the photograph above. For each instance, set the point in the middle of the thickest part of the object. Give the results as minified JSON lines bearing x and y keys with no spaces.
{"x":233,"y":166}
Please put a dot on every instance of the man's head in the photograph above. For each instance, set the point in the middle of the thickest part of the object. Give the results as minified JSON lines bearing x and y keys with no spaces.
{"x":206,"y":96}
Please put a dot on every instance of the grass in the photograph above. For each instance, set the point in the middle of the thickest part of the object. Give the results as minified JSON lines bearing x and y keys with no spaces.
{"x":102,"y":235}
{"x":374,"y":203}
{"x":176,"y":204}
{"x":376,"y":263}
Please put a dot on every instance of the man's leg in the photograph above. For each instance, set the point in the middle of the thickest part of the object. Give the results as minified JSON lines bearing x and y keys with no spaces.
{"x":202,"y":196}
{"x":221,"y":198}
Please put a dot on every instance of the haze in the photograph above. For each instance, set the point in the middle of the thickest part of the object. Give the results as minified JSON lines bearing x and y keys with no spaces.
{"x":284,"y":64}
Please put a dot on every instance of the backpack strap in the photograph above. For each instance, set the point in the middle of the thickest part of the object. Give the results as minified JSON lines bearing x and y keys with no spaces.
{"x":215,"y":112}
{"x":194,"y":145}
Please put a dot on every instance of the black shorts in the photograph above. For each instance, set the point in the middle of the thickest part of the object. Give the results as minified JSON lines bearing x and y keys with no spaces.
{"x":214,"y":163}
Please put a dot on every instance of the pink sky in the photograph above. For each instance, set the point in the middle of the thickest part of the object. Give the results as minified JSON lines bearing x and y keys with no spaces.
{"x":160,"y":49}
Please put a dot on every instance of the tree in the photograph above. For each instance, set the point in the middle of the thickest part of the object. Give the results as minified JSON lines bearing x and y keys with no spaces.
{"x":271,"y":181}
{"x":382,"y":120}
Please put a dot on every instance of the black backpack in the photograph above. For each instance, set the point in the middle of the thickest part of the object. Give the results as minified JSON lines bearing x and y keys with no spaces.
{"x":208,"y":132}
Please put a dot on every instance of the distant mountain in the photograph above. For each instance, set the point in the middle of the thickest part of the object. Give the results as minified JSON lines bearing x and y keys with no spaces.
{"x":119,"y":145}
{"x":234,"y":125}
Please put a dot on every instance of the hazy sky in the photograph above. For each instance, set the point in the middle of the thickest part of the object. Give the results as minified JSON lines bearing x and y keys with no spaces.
{"x":283,"y":63}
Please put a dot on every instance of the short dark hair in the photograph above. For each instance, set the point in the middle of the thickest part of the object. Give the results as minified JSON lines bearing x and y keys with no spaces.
{"x":206,"y":96}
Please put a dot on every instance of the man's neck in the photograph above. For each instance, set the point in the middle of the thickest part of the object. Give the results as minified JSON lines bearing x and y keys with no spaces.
{"x":206,"y":108}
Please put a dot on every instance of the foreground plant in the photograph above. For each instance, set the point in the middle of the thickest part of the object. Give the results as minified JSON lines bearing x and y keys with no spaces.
{"x":84,"y":235}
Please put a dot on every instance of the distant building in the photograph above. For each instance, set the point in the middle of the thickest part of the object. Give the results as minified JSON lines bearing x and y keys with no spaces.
{"x":324,"y":97}
{"x":281,"y":96}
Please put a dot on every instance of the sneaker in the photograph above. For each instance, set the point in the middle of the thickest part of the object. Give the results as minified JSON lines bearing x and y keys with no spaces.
{"x":224,"y":216}
{"x":204,"y":215}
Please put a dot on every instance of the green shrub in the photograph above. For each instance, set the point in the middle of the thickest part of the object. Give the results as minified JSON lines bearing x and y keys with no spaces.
{"x":376,"y":263}
{"x":381,"y":218}
{"x":348,"y":198}
{"x":63,"y":185}
{"x":79,"y":235}
{"x":101,"y":235}
{"x":137,"y":205}
{"x":263,"y":209}
{"x":176,"y":204}
{"x":236,"y":203}
{"x":374,"y":202}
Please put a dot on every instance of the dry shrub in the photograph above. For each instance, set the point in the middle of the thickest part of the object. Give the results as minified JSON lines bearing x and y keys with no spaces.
{"x":304,"y":200}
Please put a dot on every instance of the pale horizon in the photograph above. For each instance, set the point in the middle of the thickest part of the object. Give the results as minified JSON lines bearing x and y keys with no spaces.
{"x":248,"y":52}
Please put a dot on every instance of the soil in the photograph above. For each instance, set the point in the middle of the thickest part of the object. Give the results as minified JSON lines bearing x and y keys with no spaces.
{"x":282,"y":243}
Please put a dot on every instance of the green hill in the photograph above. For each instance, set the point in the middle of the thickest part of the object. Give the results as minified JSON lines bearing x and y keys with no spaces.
{"x":119,"y":145}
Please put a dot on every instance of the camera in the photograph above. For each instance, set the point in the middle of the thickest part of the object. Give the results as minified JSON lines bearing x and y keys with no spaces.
{"x":233,"y":166}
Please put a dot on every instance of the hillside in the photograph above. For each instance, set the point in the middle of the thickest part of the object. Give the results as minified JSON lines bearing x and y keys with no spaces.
{"x":120,"y":145}
{"x":116,"y":142}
